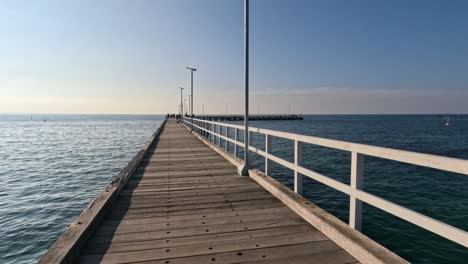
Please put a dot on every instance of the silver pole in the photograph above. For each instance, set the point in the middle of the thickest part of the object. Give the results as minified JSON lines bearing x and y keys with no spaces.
{"x":191,"y":100}
{"x":244,"y":170}
{"x":181,"y":105}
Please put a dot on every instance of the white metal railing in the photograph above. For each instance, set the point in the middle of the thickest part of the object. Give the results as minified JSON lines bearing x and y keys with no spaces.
{"x":211,"y":130}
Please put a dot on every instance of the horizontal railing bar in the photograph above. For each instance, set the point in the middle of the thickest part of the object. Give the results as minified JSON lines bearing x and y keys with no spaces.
{"x":447,"y":231}
{"x":450,"y":232}
{"x":221,"y":124}
{"x":219,"y":135}
{"x":309,"y":173}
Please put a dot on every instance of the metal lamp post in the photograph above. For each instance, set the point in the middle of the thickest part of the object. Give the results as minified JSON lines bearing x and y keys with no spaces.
{"x":191,"y":92}
{"x":189,"y":102}
{"x":244,"y":170}
{"x":181,"y":105}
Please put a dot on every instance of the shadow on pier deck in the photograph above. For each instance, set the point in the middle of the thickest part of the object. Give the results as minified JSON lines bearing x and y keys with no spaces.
{"x":185,"y":203}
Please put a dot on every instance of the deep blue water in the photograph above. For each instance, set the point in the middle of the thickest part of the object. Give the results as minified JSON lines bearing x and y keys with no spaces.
{"x":50,"y":170}
{"x":438,"y":194}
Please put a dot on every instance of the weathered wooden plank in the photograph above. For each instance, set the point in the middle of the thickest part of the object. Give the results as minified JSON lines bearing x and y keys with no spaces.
{"x":194,"y":211}
{"x":167,"y":208}
{"x":179,"y":187}
{"x":195,"y":250}
{"x":199,"y":230}
{"x":182,"y":180}
{"x":212,"y":172}
{"x":190,"y":196}
{"x":187,"y":167}
{"x":175,"y":161}
{"x":137,"y":202}
{"x":332,"y":257}
{"x":262,"y":254}
{"x":212,"y":190}
{"x":114,"y":228}
{"x":202,"y":216}
{"x":170,"y":184}
{"x":98,"y":247}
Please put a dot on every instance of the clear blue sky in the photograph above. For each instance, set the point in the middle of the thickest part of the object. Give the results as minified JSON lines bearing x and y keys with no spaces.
{"x":116,"y":56}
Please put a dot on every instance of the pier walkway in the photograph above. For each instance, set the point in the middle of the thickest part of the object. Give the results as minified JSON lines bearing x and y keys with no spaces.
{"x":187,"y":204}
{"x":181,"y":200}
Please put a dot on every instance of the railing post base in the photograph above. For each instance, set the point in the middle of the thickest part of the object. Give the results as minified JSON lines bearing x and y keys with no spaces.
{"x":243,"y":170}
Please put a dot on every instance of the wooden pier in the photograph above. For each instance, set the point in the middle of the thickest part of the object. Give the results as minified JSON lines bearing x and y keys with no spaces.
{"x":179,"y":201}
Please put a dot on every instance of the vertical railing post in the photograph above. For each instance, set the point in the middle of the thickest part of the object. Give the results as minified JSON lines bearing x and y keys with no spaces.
{"x":226,"y":141}
{"x":267,"y":150}
{"x":236,"y":138}
{"x":355,"y":205}
{"x":211,"y":133}
{"x":297,"y":162}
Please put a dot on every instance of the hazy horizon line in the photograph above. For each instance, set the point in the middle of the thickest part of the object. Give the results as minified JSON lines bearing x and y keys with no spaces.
{"x":223,"y":114}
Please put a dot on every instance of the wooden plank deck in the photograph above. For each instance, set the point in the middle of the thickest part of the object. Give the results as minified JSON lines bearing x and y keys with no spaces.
{"x":187,"y":204}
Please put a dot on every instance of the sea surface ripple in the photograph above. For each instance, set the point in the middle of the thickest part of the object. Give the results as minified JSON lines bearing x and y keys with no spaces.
{"x":51,"y":167}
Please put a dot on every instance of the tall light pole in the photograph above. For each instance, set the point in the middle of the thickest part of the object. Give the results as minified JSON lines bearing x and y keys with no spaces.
{"x":181,"y":105}
{"x":191,"y":92}
{"x":185,"y":103}
{"x":189,"y":97}
{"x":244,"y":170}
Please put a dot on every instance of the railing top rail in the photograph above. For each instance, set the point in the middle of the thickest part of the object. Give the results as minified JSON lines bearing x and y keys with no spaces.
{"x":426,"y":160}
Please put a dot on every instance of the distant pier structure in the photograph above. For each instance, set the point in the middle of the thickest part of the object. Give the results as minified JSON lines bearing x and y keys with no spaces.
{"x":251,"y":117}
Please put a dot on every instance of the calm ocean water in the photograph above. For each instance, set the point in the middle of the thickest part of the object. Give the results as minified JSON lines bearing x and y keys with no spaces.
{"x":441,"y":195}
{"x":51,"y":170}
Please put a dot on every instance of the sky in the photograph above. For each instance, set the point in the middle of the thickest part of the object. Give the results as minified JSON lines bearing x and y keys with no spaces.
{"x":310,"y":56}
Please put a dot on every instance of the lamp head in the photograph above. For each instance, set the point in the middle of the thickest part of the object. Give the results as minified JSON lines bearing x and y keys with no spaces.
{"x":191,"y":68}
